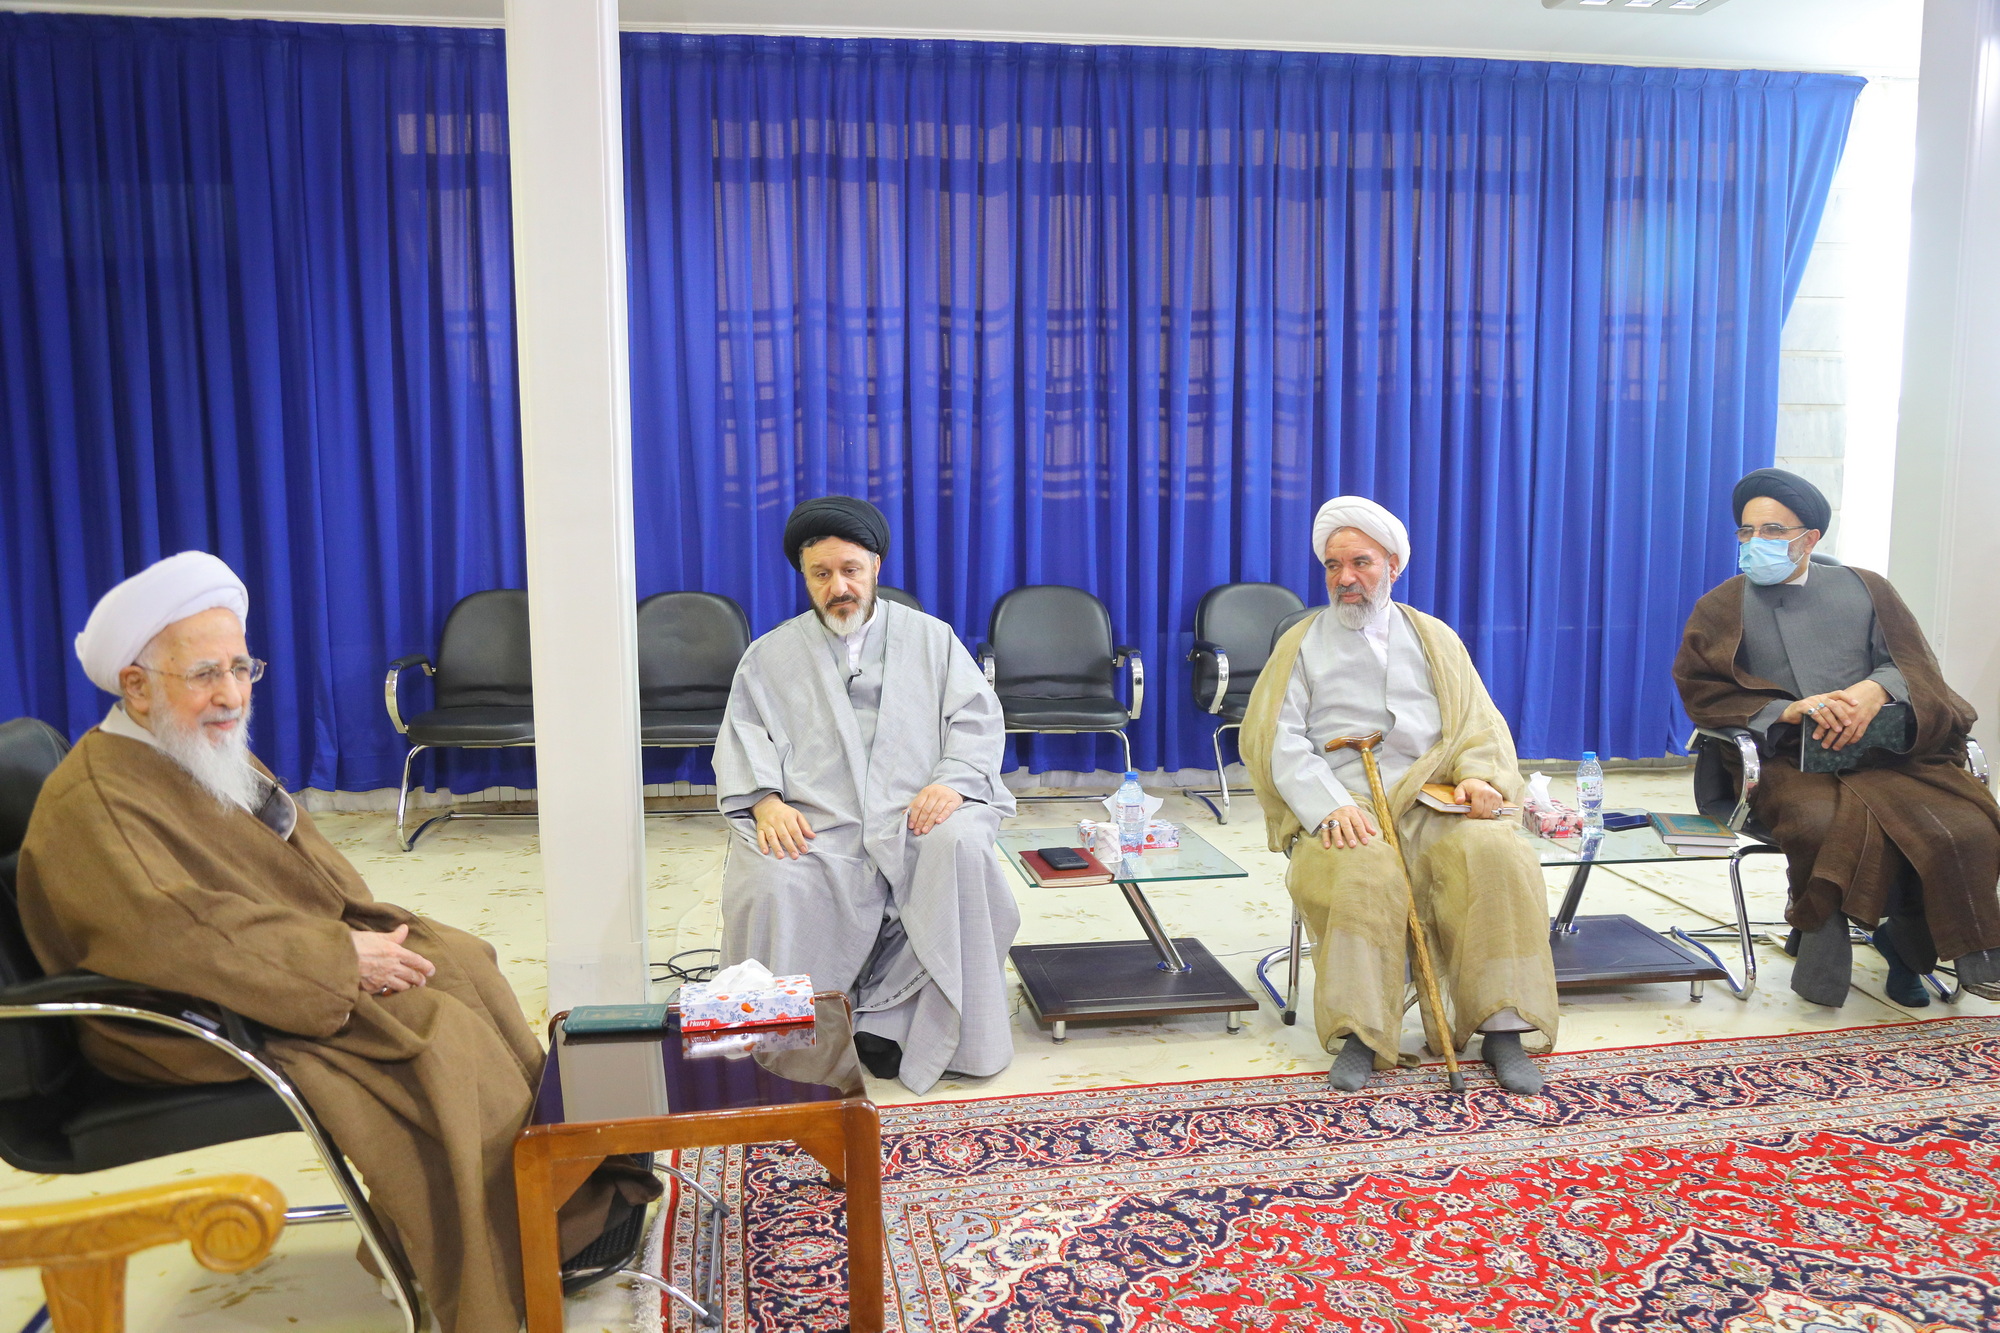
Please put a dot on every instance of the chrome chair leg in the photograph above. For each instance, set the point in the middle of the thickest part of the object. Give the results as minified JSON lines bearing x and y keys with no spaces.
{"x":1293,"y":953}
{"x":1126,"y":741}
{"x":1221,"y":781}
{"x":403,"y":841}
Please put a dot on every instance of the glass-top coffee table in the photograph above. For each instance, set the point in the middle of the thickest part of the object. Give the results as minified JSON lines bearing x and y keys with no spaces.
{"x":1127,"y":979}
{"x":1618,"y":950}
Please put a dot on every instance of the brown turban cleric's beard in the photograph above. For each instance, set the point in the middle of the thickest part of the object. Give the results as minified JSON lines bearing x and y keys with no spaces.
{"x":219,"y":762}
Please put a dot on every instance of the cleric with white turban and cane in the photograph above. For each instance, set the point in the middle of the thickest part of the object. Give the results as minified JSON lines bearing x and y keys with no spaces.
{"x":161,"y":852}
{"x":1363,"y":667}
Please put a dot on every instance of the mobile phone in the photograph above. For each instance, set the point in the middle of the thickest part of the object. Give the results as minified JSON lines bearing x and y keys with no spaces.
{"x":1062,"y":858}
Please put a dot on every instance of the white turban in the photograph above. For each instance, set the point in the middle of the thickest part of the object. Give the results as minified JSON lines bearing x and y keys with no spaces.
{"x":126,"y":618}
{"x":1370,"y":519}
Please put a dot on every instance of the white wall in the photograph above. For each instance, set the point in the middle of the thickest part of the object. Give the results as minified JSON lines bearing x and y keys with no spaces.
{"x":1843,"y":344}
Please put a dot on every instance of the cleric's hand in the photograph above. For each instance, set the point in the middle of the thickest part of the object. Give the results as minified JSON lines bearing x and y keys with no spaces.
{"x":781,"y":830}
{"x":1864,"y":701}
{"x":1481,"y":795}
{"x":386,"y":966}
{"x":932,"y":807}
{"x":1347,"y":827}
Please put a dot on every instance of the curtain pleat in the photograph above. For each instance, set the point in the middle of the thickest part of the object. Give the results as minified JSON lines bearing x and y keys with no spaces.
{"x":1115,"y":317}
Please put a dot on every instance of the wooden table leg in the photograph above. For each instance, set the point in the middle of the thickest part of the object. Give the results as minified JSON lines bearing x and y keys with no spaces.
{"x":541,"y":1248}
{"x":864,"y":1218}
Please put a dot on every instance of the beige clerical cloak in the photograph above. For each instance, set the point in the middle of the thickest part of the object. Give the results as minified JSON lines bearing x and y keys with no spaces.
{"x":132,"y":870}
{"x":1479,"y":889}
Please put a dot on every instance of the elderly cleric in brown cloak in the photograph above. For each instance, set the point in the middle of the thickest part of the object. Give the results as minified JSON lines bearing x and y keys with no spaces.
{"x":1906,"y":839}
{"x":162,"y":852}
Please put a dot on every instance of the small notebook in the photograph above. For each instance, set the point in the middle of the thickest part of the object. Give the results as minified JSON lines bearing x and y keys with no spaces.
{"x":1093,"y":873}
{"x":1889,"y":731}
{"x":598,"y":1020}
{"x":1437,"y":796}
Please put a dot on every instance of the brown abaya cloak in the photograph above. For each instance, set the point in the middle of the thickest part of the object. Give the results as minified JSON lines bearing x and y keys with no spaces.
{"x":132,"y":870}
{"x":1846,"y":835}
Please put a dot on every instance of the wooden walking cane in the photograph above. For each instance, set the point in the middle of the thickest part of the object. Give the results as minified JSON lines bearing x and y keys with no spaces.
{"x":1427,"y":986}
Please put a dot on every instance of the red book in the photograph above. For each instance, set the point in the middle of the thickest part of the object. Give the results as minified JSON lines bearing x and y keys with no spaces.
{"x":1094,"y":873}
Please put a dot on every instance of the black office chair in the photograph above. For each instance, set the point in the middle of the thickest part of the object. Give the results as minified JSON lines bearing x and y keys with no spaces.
{"x":1233,"y":634}
{"x":60,"y":1116}
{"x":689,"y":646}
{"x":1289,"y":620}
{"x":908,"y":599}
{"x":1049,"y":655}
{"x":482,"y":691}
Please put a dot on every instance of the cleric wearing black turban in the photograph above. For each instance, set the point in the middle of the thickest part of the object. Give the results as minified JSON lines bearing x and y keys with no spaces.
{"x":841,"y":516}
{"x":859,"y":761}
{"x":1904,"y":841}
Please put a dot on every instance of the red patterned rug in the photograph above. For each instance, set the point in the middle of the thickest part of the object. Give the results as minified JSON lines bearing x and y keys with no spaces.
{"x":1804,"y":1184}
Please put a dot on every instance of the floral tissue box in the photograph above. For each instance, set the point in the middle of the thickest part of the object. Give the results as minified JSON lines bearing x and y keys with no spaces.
{"x":1161,"y":834}
{"x":785,"y":1000}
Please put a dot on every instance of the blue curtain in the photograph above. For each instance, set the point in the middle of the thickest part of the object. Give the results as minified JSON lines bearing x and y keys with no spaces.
{"x":1121,"y":318}
{"x":1114,"y":317}
{"x":256,"y":298}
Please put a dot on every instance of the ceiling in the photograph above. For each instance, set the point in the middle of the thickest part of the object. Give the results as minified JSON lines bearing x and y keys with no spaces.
{"x":1879,"y":37}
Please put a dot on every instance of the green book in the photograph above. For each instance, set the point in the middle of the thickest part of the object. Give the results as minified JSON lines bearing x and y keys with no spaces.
{"x":1679,"y":828}
{"x":1890,"y":730}
{"x":598,"y":1020}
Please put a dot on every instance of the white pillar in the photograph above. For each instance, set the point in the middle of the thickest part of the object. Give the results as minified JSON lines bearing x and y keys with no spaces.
{"x":567,"y":146}
{"x":1945,"y":544}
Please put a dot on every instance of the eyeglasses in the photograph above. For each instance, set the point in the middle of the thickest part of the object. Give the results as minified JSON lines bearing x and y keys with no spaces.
{"x":247,"y":670}
{"x":1775,"y":532}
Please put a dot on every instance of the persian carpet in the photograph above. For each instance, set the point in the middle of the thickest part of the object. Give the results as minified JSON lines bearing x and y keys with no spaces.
{"x":1825,"y":1181}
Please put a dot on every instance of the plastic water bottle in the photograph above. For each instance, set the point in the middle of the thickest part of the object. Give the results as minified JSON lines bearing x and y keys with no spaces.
{"x":1130,"y":808}
{"x":1590,"y":791}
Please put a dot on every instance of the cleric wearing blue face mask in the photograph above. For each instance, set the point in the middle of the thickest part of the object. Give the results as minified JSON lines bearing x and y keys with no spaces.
{"x":1904,"y":841}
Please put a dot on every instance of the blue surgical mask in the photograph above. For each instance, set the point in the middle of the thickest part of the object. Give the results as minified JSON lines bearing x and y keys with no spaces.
{"x":1766,"y":560}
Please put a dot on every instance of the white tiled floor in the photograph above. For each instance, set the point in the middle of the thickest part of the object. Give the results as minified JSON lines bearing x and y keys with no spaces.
{"x":485,"y":876}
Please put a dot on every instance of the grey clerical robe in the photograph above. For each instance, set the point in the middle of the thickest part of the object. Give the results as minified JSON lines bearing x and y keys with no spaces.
{"x":1813,"y":637}
{"x":1478,"y":888}
{"x":914,"y":928}
{"x":132,"y":870}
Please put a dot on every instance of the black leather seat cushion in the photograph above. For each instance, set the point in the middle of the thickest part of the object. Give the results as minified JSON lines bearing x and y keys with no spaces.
{"x":688,"y":726}
{"x":1234,"y":706}
{"x":121,"y":1123}
{"x":479,"y":725}
{"x":1082,"y":714}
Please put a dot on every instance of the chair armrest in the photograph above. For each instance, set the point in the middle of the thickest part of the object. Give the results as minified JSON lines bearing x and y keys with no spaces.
{"x":984,"y":655}
{"x":82,"y":987}
{"x":1975,"y":763}
{"x":396,"y":670}
{"x":1124,"y":655}
{"x":1745,"y":742}
{"x":1214,"y":652}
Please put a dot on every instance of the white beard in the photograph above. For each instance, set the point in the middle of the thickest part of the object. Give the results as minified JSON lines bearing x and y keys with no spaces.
{"x":1359,"y":616}
{"x":847,"y":622}
{"x":221,"y":766}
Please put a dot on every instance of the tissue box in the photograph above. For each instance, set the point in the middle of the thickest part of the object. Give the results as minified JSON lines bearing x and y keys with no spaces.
{"x":1553,"y":820}
{"x":1100,"y":833}
{"x":756,"y":1041}
{"x":786,"y":1000}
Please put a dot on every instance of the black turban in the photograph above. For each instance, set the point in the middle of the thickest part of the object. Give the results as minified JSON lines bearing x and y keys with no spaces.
{"x":840,"y":516}
{"x":1788,"y":489}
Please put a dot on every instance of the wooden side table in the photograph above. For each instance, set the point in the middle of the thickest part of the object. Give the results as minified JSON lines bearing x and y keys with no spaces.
{"x":644,"y":1093}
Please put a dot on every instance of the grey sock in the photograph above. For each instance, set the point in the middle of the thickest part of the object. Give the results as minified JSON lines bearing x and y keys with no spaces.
{"x":1980,"y":973}
{"x":1912,"y":937}
{"x":1352,"y":1066}
{"x":1512,"y":1066}
{"x":1826,"y":963}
